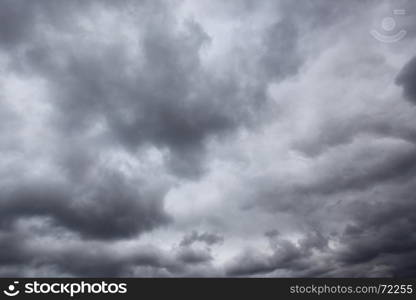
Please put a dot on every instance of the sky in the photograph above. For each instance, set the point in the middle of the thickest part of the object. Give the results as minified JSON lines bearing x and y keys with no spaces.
{"x":207,"y":138}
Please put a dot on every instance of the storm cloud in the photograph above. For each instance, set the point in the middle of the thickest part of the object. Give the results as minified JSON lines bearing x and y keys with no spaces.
{"x":202,"y":138}
{"x":407,"y":79}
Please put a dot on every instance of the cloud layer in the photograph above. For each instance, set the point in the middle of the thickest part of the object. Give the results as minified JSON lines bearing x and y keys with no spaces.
{"x":202,"y":138}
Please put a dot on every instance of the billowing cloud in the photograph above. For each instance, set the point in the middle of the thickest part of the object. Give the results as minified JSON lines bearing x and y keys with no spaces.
{"x":202,"y":138}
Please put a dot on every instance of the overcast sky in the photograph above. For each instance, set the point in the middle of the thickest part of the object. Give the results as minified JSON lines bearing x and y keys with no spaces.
{"x":207,"y":138}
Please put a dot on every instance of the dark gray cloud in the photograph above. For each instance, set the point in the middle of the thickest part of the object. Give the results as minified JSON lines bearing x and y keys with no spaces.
{"x":285,"y":255}
{"x":107,"y":208}
{"x":168,"y":100}
{"x":377,"y":241}
{"x":80,"y":261}
{"x":371,"y":194}
{"x":382,"y":232}
{"x":192,"y":256}
{"x":162,"y":138}
{"x":12,"y":251}
{"x":407,"y":79}
{"x":204,"y":237}
{"x":321,"y":13}
{"x":17,"y":21}
{"x":97,"y":258}
{"x":282,"y":38}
